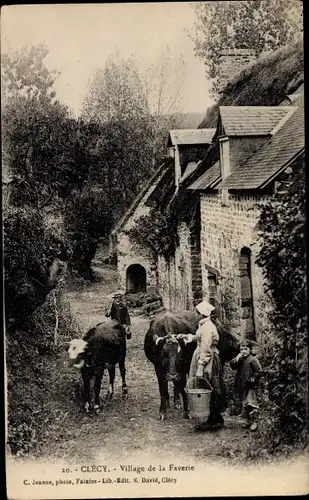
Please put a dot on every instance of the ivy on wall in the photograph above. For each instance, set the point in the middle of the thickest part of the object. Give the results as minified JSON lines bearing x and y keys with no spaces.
{"x":284,"y":411}
{"x":157,"y":230}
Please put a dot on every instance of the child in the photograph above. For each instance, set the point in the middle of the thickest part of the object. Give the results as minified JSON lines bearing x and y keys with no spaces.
{"x":119,"y":311}
{"x":246,"y":382}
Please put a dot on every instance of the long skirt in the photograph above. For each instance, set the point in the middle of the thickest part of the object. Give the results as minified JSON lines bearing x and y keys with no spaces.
{"x":218,"y":401}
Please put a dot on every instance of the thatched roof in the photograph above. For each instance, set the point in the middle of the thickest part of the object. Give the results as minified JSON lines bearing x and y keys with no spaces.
{"x":184,"y":120}
{"x":266,"y":82}
{"x":149,"y":187}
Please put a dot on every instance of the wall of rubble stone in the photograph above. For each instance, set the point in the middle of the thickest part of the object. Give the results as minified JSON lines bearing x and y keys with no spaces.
{"x":129,"y":253}
{"x":226,"y":229}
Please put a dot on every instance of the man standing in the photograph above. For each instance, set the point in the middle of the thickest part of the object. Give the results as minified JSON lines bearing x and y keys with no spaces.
{"x":119,"y":311}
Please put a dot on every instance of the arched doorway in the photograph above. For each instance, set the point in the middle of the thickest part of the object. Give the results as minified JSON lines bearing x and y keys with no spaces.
{"x":246,"y":295}
{"x":136,"y":279}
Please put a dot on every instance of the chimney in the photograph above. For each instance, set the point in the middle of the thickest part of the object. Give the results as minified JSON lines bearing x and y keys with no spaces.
{"x":232,"y":62}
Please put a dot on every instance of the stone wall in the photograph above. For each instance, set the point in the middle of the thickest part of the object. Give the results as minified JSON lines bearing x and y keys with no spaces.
{"x":129,"y":253}
{"x":175,"y":274}
{"x":226,"y":229}
{"x":232,"y":62}
{"x":180,"y":278}
{"x":196,"y":268}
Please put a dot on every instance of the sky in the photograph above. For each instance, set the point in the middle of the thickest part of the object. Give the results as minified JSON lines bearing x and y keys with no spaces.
{"x":80,"y":37}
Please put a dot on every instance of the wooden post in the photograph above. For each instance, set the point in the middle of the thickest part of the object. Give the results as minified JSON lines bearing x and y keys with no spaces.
{"x":57,"y":321}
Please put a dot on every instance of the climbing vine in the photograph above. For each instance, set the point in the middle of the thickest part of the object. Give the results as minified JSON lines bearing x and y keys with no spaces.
{"x":284,"y":411}
{"x":157,"y":230}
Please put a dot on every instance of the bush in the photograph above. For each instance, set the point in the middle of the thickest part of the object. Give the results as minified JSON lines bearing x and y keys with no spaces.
{"x":32,"y":378}
{"x":284,"y":410}
{"x":29,"y":251}
{"x":88,"y":222}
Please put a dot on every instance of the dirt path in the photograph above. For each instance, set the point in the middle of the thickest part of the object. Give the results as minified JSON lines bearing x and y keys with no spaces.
{"x":126,"y":427}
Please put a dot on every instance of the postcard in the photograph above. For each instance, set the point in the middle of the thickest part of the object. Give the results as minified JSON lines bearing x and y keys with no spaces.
{"x":153,"y":187}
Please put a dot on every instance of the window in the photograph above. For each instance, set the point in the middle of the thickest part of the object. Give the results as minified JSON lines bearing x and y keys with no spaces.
{"x":214,"y":290}
{"x":246,"y":297}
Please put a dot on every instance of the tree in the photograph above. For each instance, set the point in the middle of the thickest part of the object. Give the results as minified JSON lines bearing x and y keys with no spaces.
{"x":88,"y":220}
{"x":263,"y":25}
{"x":48,"y":153}
{"x":25,"y":74}
{"x":46,"y":150}
{"x":32,"y":122}
{"x":115,"y":92}
{"x":116,"y":103}
{"x":162,"y":83}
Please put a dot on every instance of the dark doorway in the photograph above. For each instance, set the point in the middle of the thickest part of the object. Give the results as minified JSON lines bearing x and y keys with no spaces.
{"x":246,"y":296}
{"x":136,"y":279}
{"x":214,"y":290}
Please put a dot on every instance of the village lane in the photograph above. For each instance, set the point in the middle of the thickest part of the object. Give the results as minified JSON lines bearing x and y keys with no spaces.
{"x":126,"y":427}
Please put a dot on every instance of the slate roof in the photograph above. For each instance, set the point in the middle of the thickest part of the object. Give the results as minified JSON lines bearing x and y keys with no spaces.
{"x":187,"y":137}
{"x":260,"y":168}
{"x":251,"y":120}
{"x":209,"y":177}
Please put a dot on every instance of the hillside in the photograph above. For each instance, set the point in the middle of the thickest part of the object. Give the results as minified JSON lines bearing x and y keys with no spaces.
{"x":186,"y":120}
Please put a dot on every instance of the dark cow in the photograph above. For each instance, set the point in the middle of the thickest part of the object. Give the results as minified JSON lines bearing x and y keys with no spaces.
{"x":172,"y":355}
{"x":101,"y":347}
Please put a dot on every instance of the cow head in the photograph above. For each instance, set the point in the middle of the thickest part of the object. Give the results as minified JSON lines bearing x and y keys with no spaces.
{"x":77,"y":351}
{"x":171,"y":356}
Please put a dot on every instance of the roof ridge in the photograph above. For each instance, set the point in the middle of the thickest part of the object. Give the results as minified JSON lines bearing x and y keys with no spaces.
{"x":159,"y":172}
{"x":194,"y":129}
{"x":281,"y":122}
{"x":256,"y":107}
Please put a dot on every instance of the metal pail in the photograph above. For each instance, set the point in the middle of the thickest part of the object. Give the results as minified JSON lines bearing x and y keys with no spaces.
{"x":199,"y":393}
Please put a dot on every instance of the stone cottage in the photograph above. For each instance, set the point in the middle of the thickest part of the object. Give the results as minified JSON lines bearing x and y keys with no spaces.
{"x":258,"y":149}
{"x":256,"y":136}
{"x":136,"y":266}
{"x":139,"y":269}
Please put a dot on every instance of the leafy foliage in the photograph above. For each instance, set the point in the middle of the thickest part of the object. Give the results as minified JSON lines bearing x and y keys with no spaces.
{"x":29,"y":250}
{"x":115,"y":92}
{"x":88,"y":221}
{"x":46,"y":153}
{"x":283,"y":261}
{"x":263,"y":25}
{"x":32,"y":379}
{"x":24,"y":74}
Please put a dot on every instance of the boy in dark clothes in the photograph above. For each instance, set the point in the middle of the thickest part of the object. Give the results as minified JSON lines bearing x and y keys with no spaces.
{"x":119,"y":311}
{"x":246,"y":382}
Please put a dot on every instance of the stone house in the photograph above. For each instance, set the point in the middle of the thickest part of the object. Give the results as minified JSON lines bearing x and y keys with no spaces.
{"x":139,"y":269}
{"x":136,"y":266}
{"x":258,"y":149}
{"x":255,"y":137}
